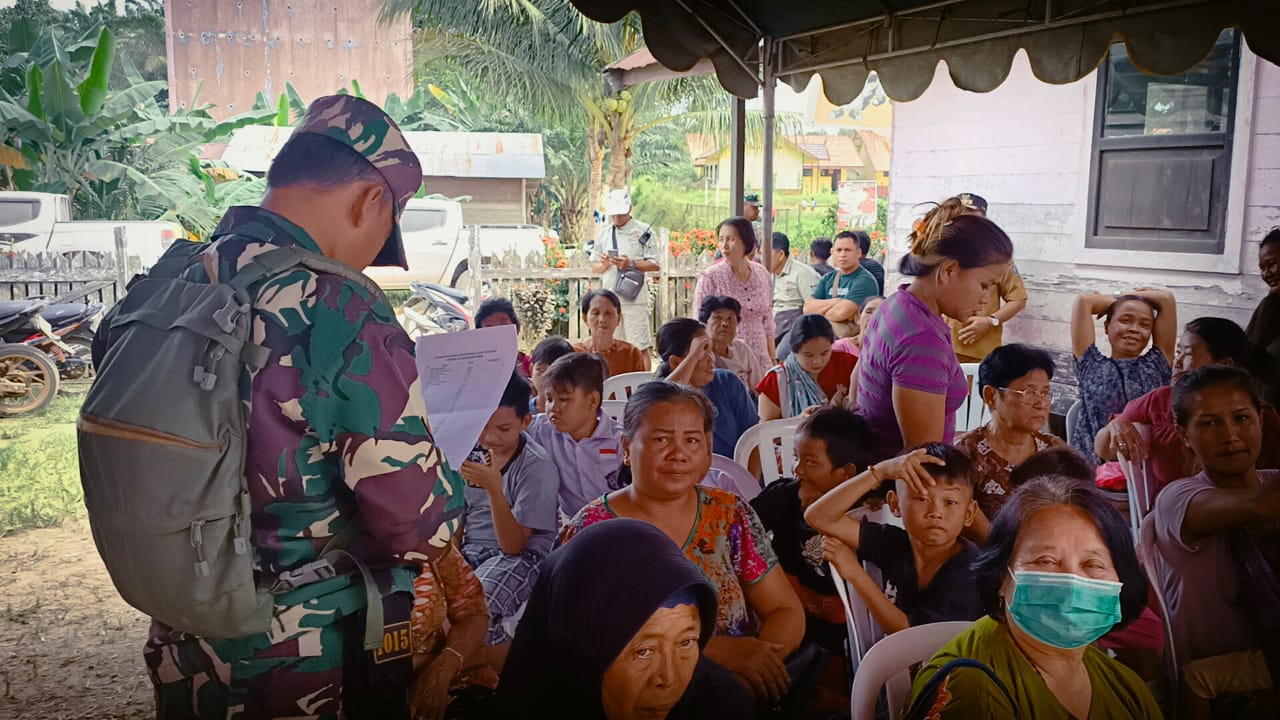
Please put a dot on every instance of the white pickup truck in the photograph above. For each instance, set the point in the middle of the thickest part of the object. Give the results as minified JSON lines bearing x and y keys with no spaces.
{"x":437,"y":244}
{"x":41,"y":223}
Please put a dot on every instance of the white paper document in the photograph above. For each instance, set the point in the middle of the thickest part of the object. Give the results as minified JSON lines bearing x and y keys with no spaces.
{"x":463,"y":375}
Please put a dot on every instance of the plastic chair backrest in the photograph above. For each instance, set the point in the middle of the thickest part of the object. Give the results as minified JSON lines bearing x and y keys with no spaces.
{"x":1073,"y":416}
{"x":863,"y":630}
{"x":973,"y":413}
{"x":1138,"y":482}
{"x":1157,"y":571}
{"x":620,"y":387}
{"x":776,"y":439}
{"x":734,"y":477}
{"x":888,"y":665}
{"x":613,"y":408}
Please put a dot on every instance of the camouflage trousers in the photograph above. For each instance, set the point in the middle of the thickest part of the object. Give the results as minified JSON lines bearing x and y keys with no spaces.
{"x":322,"y":674}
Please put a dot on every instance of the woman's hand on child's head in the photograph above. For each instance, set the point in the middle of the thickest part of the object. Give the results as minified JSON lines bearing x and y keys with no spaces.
{"x":910,"y":469}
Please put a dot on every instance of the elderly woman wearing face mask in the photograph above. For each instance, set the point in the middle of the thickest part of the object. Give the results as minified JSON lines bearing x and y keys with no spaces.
{"x":615,"y":630}
{"x":1058,"y":572}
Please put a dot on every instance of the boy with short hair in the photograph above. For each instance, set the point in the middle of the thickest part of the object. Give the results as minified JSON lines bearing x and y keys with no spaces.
{"x":510,"y":518}
{"x":830,"y":448}
{"x":584,"y":442}
{"x":544,"y":353}
{"x":925,"y":563}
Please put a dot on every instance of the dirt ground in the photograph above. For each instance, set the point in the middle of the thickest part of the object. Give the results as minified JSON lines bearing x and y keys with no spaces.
{"x":69,"y":646}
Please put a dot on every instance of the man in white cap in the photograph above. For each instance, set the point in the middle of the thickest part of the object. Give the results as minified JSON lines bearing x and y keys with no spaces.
{"x":620,"y":254}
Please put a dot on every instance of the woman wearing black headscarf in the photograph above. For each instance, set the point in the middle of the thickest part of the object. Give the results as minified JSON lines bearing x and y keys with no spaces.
{"x":614,"y":630}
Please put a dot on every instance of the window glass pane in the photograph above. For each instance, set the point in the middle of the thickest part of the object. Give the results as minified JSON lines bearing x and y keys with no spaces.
{"x":1198,"y":101}
{"x":417,"y":220}
{"x":13,"y":212}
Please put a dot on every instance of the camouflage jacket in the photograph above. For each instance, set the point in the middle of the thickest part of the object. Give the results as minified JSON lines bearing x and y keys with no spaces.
{"x":337,"y":424}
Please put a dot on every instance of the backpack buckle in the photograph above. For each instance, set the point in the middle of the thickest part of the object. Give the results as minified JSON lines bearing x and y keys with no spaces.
{"x":226,"y":317}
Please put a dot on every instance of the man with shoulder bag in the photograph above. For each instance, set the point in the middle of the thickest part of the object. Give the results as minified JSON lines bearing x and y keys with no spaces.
{"x":257,"y":464}
{"x":623,"y":251}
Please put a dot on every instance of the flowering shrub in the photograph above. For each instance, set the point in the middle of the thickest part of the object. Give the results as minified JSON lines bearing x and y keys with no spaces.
{"x":878,"y":241}
{"x":695,"y":241}
{"x":555,"y":257}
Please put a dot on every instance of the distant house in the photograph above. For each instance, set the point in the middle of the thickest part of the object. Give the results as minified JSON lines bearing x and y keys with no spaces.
{"x":807,"y":163}
{"x":1119,"y":180}
{"x":497,"y":171}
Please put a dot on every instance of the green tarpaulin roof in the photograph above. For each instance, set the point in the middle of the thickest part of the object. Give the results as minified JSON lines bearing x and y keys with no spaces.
{"x":903,"y":40}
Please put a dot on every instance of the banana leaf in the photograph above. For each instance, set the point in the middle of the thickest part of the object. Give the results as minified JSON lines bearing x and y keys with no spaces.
{"x":35,"y":80}
{"x":96,"y":85}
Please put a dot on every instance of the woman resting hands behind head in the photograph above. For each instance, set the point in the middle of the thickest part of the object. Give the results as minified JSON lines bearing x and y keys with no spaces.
{"x":1132,"y":321}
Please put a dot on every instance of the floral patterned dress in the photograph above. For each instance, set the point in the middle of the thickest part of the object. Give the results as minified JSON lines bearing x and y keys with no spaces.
{"x":756,"y":327}
{"x":727,"y":542}
{"x":991,"y":472}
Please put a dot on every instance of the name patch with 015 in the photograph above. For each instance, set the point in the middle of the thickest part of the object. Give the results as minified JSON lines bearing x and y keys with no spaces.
{"x":397,"y":643}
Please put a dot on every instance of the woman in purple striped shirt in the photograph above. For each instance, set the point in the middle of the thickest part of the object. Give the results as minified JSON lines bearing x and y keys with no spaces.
{"x":909,"y":383}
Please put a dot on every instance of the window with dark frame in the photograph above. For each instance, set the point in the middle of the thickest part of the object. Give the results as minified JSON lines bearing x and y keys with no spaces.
{"x":1161,"y":163}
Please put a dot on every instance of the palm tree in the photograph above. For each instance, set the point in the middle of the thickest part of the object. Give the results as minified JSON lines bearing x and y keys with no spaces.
{"x":543,"y":56}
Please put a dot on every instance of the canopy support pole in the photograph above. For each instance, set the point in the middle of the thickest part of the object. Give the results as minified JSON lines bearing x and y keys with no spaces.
{"x":738,"y":155}
{"x":766,"y":220}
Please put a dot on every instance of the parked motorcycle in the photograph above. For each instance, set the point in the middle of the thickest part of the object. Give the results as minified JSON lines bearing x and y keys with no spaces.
{"x":433,"y":309}
{"x":28,"y":377}
{"x":64,"y":331}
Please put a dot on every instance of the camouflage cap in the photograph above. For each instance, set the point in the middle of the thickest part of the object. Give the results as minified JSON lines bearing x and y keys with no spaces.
{"x":365,"y":128}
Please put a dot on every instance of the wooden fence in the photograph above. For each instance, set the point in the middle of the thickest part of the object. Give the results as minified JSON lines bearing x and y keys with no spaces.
{"x":71,"y":277}
{"x":548,"y":298}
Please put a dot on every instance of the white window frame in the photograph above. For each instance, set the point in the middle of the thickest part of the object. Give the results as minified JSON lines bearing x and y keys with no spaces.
{"x":1229,"y":262}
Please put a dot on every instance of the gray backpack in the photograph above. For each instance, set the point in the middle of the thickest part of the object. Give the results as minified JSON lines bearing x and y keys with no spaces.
{"x":162,"y":439}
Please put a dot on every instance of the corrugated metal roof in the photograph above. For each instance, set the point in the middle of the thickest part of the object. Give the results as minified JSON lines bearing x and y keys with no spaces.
{"x":442,"y":154}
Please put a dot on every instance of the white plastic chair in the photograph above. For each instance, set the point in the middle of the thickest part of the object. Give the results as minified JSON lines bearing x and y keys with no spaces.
{"x":733,"y":477}
{"x":1073,"y":417}
{"x":768,"y":436}
{"x":1157,"y":571}
{"x":613,"y":408}
{"x":1138,"y":482}
{"x":888,"y":665}
{"x":863,"y":630}
{"x":620,"y":387}
{"x":973,"y":413}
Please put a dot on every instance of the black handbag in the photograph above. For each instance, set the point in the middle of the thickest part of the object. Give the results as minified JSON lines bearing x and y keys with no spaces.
{"x":630,"y":281}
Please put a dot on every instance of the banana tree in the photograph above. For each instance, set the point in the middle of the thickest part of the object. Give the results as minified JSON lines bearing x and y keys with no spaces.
{"x":117,"y":154}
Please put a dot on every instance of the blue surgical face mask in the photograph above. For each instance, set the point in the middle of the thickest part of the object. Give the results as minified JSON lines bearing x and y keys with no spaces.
{"x":1063,"y":610}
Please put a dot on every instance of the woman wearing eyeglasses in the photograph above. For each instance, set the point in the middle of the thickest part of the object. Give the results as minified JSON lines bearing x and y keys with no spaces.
{"x":1014,"y":380}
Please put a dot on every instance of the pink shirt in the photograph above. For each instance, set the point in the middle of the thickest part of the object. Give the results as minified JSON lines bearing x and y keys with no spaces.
{"x":756,"y":327}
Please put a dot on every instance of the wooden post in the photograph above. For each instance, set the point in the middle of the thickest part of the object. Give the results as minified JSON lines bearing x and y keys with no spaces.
{"x":474,"y":261}
{"x":122,"y":262}
{"x":664,"y":274}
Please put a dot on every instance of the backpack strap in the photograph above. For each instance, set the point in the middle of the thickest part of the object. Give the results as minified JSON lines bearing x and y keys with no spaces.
{"x":928,"y":694}
{"x":282,"y":259}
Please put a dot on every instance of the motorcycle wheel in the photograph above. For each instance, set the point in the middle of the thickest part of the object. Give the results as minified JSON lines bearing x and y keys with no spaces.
{"x":28,"y":380}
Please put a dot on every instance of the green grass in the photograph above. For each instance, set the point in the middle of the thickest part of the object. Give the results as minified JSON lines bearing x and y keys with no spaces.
{"x":39,"y":470}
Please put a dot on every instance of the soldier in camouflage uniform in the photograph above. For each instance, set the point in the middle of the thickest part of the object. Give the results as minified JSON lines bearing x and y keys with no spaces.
{"x":338,"y":434}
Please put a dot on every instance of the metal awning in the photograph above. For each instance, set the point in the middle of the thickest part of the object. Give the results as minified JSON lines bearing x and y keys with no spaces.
{"x":903,"y":40}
